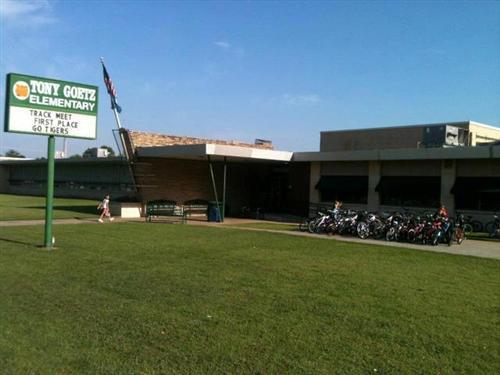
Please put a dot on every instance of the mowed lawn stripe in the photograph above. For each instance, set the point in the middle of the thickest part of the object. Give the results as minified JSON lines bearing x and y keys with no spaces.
{"x":26,"y":207}
{"x":137,"y":297}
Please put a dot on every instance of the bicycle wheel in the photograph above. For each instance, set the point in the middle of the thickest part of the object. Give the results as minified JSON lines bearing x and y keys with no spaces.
{"x":331,"y":229}
{"x":389,"y":236}
{"x":411,"y":236}
{"x":363,"y":230}
{"x":304,"y":225}
{"x":435,"y":238}
{"x":477,"y":225}
{"x":468,"y":229}
{"x":489,"y":227}
{"x":312,"y":226}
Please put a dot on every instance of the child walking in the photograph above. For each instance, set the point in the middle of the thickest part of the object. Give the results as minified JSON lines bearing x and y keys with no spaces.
{"x":104,"y":206}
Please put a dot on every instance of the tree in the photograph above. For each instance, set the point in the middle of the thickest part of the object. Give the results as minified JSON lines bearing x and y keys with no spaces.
{"x":75,"y":156}
{"x":91,"y":152}
{"x":111,"y":152}
{"x":14,"y":154}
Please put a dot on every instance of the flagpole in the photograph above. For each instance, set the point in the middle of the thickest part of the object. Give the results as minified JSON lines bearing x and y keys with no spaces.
{"x":117,"y":117}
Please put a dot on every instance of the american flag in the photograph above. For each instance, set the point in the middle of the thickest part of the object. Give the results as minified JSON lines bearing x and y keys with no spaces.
{"x":111,"y":89}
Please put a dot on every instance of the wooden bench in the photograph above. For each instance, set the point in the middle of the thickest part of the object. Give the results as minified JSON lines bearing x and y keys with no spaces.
{"x":165,"y":209}
{"x":196,"y":208}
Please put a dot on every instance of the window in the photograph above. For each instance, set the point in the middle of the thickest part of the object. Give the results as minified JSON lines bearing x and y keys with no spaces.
{"x":409,"y":191}
{"x":348,"y":189}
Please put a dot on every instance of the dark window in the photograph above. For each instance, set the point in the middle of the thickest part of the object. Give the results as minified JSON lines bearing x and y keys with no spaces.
{"x":409,"y":191}
{"x":477,"y":193}
{"x":349,"y":189}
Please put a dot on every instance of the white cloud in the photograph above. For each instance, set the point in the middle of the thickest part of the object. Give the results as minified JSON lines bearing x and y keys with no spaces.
{"x":298,"y":100}
{"x":27,"y":13}
{"x":222,"y":44}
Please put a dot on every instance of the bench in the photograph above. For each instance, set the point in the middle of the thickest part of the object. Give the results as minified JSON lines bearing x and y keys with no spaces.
{"x":196,"y":207}
{"x":165,"y":208}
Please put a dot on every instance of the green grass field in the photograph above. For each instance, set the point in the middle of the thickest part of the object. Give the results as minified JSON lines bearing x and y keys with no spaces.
{"x":167,"y":298}
{"x":25,"y":207}
{"x":272,"y":226}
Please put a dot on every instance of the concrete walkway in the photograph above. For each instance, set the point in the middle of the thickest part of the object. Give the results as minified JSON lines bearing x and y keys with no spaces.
{"x":483,"y":249}
{"x":20,"y":223}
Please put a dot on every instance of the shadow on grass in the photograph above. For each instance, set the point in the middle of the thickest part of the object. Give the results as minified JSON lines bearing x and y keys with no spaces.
{"x":89,"y":210}
{"x":19,"y":242}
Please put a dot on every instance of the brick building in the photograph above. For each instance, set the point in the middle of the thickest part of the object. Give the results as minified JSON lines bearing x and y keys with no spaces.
{"x":388,"y":168}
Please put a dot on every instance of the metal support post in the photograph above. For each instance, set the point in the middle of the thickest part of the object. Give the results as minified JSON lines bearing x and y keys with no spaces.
{"x":223,"y":213}
{"x":213,"y":183}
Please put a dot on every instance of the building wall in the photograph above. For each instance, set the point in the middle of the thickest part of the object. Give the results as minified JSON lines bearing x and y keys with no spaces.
{"x":177,"y":180}
{"x":411,"y":168}
{"x":483,"y":134}
{"x":4,"y":179}
{"x":73,"y":179}
{"x":344,"y":168}
{"x":478,"y":168}
{"x":372,"y":139}
{"x":315,"y":174}
{"x":299,"y":188}
{"x":398,"y":137}
{"x":146,"y":139}
{"x":447,"y":170}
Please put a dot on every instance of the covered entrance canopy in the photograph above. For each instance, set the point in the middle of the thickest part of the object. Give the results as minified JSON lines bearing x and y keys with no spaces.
{"x":251,"y":169}
{"x":214,"y":152}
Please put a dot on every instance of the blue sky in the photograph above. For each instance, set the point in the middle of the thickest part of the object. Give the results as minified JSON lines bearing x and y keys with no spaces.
{"x":276,"y":70}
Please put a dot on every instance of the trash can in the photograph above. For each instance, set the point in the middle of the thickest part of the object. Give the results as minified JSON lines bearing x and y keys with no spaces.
{"x":214,"y":212}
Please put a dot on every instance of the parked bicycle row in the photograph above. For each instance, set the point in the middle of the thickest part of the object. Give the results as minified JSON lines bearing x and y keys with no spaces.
{"x":429,"y":229}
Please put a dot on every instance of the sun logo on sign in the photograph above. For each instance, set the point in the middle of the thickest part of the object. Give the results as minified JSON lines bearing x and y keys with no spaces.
{"x":21,"y":90}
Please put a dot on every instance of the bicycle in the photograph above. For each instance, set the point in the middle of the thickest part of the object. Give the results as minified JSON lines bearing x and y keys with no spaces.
{"x":470,"y":225}
{"x":493,"y":227}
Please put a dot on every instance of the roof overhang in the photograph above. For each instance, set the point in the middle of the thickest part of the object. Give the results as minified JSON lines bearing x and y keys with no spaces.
{"x":478,"y":152}
{"x":69,"y":161}
{"x":215,"y":152}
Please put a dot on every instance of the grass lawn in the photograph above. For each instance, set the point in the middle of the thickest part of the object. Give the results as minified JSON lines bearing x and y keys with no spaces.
{"x":482,"y":236}
{"x":273,"y":226}
{"x":25,"y":207}
{"x":167,"y":298}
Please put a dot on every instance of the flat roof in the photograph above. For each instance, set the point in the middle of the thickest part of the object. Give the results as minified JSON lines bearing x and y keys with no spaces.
{"x":451,"y":123}
{"x":477,"y":152}
{"x":215,"y":152}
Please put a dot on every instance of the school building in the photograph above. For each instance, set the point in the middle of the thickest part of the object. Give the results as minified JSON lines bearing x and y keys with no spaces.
{"x":414,"y":167}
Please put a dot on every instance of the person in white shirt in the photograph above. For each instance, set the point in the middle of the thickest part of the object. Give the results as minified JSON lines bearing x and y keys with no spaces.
{"x":104,"y":206}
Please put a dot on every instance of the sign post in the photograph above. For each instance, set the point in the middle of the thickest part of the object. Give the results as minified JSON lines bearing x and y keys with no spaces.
{"x":50,"y":191}
{"x":45,"y":106}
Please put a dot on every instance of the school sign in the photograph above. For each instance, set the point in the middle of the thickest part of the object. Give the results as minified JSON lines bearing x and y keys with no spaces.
{"x":44,"y":106}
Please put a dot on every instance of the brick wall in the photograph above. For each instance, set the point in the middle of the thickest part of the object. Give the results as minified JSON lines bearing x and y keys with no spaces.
{"x":178,"y":180}
{"x":248,"y":184}
{"x":144,"y":139}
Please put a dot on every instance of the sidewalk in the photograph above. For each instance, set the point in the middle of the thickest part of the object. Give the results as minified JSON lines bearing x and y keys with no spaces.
{"x":483,"y":249}
{"x":89,"y":220}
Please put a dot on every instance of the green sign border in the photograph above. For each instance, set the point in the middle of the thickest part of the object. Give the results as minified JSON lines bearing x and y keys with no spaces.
{"x":8,"y":93}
